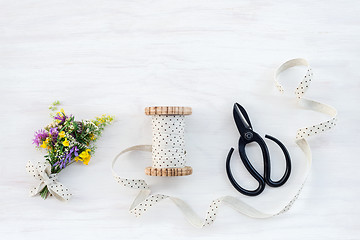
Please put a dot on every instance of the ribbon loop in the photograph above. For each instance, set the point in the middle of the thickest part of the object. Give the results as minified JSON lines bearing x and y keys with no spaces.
{"x":42,"y":172}
{"x":144,"y":200}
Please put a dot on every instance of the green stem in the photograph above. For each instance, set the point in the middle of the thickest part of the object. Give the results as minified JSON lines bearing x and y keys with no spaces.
{"x":44,"y":193}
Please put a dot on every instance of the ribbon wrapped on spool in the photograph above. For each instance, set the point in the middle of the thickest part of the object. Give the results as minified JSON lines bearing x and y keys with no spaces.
{"x":168,"y":143}
{"x":146,"y":200}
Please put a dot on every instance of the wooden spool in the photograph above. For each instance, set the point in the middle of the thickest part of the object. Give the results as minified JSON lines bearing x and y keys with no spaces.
{"x":168,"y":110}
{"x":168,"y":172}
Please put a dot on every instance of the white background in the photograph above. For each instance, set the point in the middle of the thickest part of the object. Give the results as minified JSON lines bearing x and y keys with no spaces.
{"x":118,"y":57}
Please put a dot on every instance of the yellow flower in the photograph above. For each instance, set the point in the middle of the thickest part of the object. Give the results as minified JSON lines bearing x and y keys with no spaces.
{"x":44,"y":144}
{"x":84,"y":156}
{"x":62,"y":134}
{"x":66,"y":142}
{"x":87,"y":160}
{"x":61,"y":112}
{"x":103,"y":120}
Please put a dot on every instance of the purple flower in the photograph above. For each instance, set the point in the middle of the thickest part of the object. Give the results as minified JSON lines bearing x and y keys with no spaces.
{"x":54,"y":134}
{"x":40,"y":136}
{"x":75,"y":150}
{"x":62,"y":161}
{"x":66,"y":158}
{"x":54,"y":131}
{"x":61,"y":117}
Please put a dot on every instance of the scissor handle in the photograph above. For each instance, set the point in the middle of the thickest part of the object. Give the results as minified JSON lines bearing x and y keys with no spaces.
{"x":242,"y":143}
{"x":286,"y":175}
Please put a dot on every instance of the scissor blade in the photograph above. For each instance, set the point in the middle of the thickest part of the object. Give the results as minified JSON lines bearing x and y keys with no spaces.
{"x":241,"y":118}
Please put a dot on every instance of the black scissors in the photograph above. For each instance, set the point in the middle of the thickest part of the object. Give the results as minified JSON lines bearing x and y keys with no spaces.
{"x":247,"y":135}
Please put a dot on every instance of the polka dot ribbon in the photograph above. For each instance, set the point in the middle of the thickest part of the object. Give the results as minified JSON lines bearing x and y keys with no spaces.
{"x":146,"y":200}
{"x":41,"y":171}
{"x":168,"y":143}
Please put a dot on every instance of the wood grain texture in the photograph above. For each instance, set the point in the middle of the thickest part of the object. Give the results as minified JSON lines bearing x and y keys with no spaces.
{"x":168,"y":172}
{"x":168,"y":110}
{"x":117,"y":57}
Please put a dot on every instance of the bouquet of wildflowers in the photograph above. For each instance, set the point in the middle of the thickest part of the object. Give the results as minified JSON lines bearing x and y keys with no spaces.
{"x":67,"y":141}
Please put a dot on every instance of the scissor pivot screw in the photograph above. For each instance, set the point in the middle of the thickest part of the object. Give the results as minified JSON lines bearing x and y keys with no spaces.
{"x":248,"y":135}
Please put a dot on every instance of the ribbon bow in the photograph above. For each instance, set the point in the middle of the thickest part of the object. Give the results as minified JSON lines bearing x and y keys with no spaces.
{"x":42,"y":172}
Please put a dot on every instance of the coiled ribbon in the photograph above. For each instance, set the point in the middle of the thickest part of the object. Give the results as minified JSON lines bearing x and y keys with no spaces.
{"x":145,"y":199}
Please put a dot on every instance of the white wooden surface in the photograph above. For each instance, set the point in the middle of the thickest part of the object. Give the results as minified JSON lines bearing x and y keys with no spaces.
{"x":117,"y":57}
